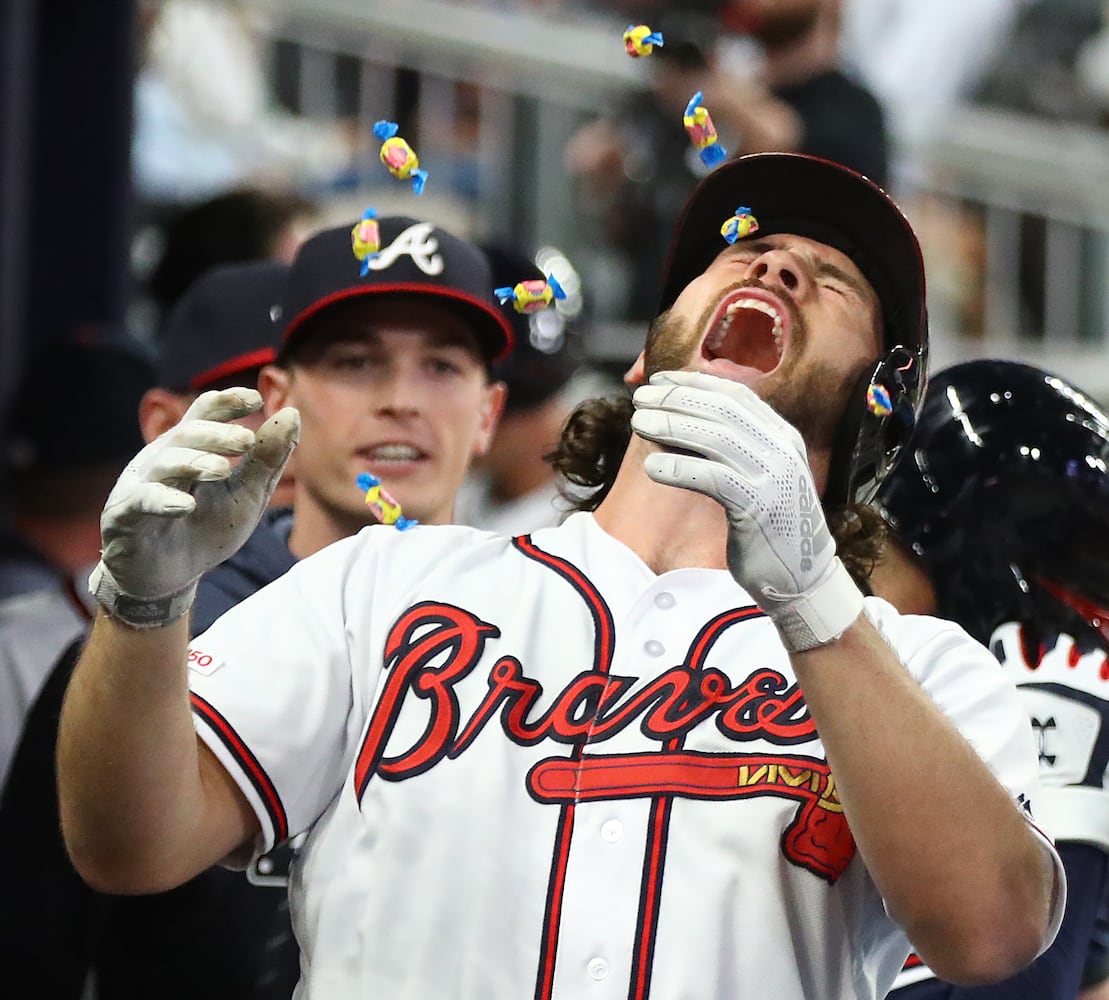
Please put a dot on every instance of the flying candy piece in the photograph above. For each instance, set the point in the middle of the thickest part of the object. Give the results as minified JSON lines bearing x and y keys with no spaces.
{"x":702,"y":131}
{"x":531,"y":295}
{"x":365,"y":238}
{"x":383,"y":505}
{"x":398,"y":156}
{"x":878,"y":400}
{"x":639,"y":40}
{"x":743,"y":223}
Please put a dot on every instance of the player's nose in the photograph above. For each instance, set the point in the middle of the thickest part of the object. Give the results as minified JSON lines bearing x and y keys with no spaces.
{"x":780,"y":267}
{"x":399,"y":392}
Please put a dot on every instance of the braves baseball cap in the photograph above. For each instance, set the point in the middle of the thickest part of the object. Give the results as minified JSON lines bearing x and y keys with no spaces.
{"x":817,"y":199}
{"x":415,"y":258}
{"x":225,"y":326}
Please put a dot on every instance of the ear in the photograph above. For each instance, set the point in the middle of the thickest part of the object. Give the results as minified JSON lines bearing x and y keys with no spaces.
{"x":492,"y":406}
{"x":275,"y":384}
{"x":637,"y":373}
{"x":159,"y":410}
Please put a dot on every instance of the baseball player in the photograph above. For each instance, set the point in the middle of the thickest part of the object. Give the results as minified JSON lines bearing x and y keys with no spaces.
{"x":390,"y":370}
{"x":237,"y":924}
{"x":1004,"y":499}
{"x":665,"y":749}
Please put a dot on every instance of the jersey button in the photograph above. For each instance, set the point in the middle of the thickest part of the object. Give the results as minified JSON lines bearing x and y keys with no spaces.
{"x":654,"y":647}
{"x":598,"y":968}
{"x":611,"y":831}
{"x":665,"y":600}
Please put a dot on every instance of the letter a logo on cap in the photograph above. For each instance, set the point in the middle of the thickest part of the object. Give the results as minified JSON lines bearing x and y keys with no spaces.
{"x":418,"y":243}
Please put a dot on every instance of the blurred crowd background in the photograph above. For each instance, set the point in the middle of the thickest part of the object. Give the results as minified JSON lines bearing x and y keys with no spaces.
{"x":146,"y":141}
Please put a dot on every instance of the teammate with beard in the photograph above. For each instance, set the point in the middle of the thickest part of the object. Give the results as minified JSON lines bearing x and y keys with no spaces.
{"x":598,"y":758}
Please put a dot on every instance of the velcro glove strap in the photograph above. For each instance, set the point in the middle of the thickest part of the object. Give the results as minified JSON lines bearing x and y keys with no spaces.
{"x":138,"y":612}
{"x":819,"y":616}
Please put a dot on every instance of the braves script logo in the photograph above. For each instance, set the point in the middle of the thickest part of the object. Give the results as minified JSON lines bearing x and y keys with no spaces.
{"x":433,"y":647}
{"x":418,"y":243}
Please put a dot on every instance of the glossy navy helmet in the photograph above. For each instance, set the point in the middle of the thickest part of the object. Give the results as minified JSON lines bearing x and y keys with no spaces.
{"x":1004,"y":493}
{"x":832,"y":204}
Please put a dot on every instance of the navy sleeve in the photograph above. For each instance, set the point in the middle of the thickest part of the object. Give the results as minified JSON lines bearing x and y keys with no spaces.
{"x":1058,"y":973}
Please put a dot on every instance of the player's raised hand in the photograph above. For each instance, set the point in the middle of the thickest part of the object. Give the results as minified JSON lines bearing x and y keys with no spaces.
{"x":180,"y":507}
{"x":753,"y":463}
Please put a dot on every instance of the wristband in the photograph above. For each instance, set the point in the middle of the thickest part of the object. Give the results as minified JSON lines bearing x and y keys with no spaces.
{"x":806,"y":621}
{"x":138,"y":612}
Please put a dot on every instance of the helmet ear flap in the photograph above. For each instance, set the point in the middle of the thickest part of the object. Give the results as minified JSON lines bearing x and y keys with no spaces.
{"x":876,"y":426}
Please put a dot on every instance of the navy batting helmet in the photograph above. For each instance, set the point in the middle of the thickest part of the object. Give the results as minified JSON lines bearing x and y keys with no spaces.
{"x":1004,"y":494}
{"x":830,"y":203}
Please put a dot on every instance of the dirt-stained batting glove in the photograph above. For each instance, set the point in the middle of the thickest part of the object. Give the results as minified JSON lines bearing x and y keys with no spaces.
{"x":755,"y":465}
{"x":179,"y":508}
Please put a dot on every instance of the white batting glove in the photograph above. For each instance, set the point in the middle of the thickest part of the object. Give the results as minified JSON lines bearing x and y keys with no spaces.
{"x":179,"y":508}
{"x":755,"y":465}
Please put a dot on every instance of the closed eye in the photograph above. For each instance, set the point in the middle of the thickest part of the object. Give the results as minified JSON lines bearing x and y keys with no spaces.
{"x":838,"y":281}
{"x":742,"y":258}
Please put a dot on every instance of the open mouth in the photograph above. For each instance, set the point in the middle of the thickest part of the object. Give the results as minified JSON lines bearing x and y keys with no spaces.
{"x":392,"y":453}
{"x":750,"y":329}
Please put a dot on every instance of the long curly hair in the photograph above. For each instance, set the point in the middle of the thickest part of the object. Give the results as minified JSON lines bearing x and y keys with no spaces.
{"x":592,"y":446}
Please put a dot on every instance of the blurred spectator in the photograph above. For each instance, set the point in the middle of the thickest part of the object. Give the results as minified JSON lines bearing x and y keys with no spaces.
{"x":652,"y":10}
{"x":922,"y":59}
{"x":512,"y":489}
{"x":837,"y":118}
{"x":1092,"y":66}
{"x":1039,"y":71}
{"x":176,"y":244}
{"x":204,"y":118}
{"x":238,"y":225}
{"x":72,"y":430}
{"x":635,"y":169}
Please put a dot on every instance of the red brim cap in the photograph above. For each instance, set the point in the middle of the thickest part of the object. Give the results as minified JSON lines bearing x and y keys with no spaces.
{"x":415,"y":258}
{"x":817,"y":199}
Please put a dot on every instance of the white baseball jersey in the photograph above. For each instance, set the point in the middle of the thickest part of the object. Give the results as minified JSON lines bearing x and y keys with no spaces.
{"x":535,"y":768}
{"x":1065,"y":692}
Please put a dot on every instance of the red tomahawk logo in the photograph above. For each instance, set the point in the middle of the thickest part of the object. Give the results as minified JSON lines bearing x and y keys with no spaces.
{"x":817,"y":839}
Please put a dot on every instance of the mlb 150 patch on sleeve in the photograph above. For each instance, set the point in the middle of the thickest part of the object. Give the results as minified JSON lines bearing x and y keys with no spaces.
{"x":203,"y":663}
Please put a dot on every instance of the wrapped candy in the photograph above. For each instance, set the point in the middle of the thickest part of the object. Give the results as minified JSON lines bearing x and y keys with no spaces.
{"x":639,"y":40}
{"x":878,"y":400}
{"x":384,"y":506}
{"x":743,"y":223}
{"x":701,"y":130}
{"x":365,"y":238}
{"x":398,"y":156}
{"x":531,"y":295}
